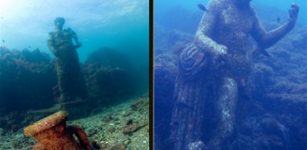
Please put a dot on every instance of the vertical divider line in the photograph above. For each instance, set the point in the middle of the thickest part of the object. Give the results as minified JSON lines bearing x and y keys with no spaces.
{"x":151,"y":76}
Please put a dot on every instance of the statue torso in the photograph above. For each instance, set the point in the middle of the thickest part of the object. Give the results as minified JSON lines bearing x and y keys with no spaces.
{"x":62,"y":38}
{"x":233,"y":28}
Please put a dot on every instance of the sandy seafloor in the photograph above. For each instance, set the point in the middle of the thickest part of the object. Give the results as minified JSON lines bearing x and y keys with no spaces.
{"x":105,"y":128}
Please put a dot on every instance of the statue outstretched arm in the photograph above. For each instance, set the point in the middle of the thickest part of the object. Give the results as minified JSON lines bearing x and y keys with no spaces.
{"x":267,"y":39}
{"x":206,"y":30}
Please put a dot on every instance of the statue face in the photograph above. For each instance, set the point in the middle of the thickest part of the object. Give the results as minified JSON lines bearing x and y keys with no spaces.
{"x":59,"y":25}
{"x":59,"y":22}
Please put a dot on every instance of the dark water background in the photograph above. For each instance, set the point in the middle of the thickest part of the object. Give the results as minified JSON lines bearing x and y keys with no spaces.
{"x":275,"y":117}
{"x":114,"y":56}
{"x":162,"y":6}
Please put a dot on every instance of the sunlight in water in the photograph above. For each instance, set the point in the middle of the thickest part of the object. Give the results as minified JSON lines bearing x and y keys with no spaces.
{"x":27,"y":22}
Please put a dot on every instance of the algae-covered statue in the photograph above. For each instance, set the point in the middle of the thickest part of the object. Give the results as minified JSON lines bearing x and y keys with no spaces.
{"x":63,"y":44}
{"x":214,"y":68}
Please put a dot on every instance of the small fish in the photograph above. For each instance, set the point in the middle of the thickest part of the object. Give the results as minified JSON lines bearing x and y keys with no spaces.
{"x":202,"y":7}
{"x":3,"y":41}
{"x":278,"y":19}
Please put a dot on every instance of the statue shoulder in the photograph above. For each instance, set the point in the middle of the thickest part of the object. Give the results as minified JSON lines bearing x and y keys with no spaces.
{"x":51,"y":35}
{"x":253,"y":12}
{"x":216,"y":6}
{"x":253,"y":15}
{"x":70,"y":31}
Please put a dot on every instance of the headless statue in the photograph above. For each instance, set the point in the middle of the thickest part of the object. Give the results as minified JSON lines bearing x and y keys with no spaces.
{"x":213,"y":67}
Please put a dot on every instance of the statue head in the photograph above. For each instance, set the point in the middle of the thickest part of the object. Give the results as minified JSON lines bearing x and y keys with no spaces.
{"x":59,"y":22}
{"x":242,"y":3}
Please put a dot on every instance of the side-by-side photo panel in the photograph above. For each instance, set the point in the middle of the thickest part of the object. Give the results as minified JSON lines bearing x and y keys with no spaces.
{"x":230,"y":75}
{"x":74,"y":75}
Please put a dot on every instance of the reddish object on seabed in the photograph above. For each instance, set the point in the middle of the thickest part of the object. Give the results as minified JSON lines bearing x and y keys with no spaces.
{"x":51,"y":133}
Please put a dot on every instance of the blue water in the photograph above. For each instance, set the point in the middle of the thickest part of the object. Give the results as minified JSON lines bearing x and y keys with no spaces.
{"x":162,"y":6}
{"x":120,"y":24}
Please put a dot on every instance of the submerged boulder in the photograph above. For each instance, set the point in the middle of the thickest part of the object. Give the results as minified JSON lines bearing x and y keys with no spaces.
{"x":26,"y":78}
{"x":109,"y":75}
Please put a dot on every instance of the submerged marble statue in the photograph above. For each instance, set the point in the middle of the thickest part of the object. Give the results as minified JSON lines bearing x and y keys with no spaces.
{"x":63,"y":44}
{"x":212,"y":70}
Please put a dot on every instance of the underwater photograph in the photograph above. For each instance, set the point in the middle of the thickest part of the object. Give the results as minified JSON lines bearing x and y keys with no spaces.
{"x":230,"y":75}
{"x":74,"y":75}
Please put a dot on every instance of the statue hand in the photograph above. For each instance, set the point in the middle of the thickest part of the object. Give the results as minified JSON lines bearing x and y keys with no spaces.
{"x":293,"y":13}
{"x":221,"y":50}
{"x":221,"y":56}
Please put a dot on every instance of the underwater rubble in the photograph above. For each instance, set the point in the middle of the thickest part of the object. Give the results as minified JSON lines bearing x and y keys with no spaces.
{"x":28,"y":89}
{"x":164,"y":77}
{"x":26,"y":78}
{"x":106,"y":129}
{"x":108,"y":73}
